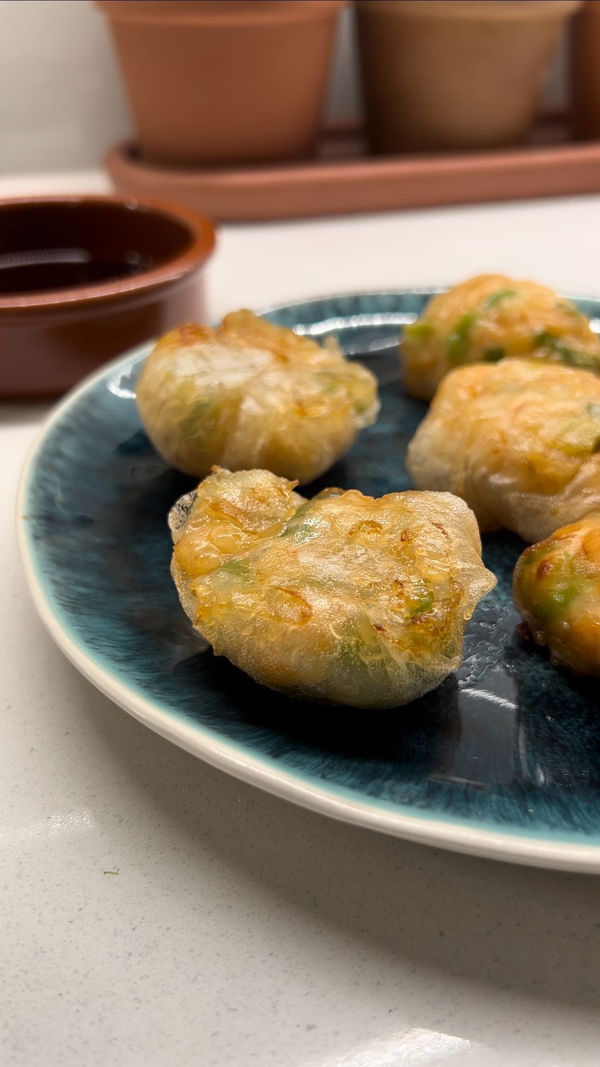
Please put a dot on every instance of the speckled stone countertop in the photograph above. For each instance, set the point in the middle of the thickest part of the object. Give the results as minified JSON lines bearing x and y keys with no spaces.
{"x":156,"y":911}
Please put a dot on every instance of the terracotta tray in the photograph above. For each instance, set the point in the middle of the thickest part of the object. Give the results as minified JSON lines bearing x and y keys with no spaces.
{"x":344,"y":179}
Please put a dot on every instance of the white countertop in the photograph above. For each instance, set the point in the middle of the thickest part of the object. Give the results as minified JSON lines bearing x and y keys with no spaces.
{"x":158,"y":912}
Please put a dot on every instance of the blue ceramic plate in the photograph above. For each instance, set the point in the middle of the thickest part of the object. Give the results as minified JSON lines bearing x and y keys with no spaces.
{"x":502,"y":760}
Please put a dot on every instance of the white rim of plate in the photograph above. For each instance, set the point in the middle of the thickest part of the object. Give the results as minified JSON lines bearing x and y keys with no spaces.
{"x":227,"y":756}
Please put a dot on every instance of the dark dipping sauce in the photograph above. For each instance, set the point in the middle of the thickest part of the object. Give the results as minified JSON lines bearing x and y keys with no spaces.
{"x":63,"y":268}
{"x":53,"y":245}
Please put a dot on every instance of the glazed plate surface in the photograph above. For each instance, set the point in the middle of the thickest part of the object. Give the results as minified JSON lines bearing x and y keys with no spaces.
{"x":502,"y":760}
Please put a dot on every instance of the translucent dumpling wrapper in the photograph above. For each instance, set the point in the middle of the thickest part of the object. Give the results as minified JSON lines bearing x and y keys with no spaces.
{"x":343,"y":598}
{"x":250,"y":394}
{"x":488,"y":318}
{"x":557,"y":590}
{"x":518,"y":440}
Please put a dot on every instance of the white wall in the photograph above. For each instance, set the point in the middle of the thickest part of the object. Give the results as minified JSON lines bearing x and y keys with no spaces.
{"x":61,"y":101}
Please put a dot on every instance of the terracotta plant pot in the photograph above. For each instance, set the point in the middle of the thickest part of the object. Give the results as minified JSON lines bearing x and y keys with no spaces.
{"x":585,"y":72}
{"x":439,"y":74}
{"x":224,"y":83}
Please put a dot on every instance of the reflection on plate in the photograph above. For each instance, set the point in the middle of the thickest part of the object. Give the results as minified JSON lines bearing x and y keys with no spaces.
{"x":502,"y":760}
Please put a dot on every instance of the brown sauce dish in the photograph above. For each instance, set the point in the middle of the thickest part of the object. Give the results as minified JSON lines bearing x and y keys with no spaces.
{"x":83,"y":278}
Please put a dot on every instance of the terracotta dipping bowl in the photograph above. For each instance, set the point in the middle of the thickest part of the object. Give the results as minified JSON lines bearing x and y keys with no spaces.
{"x":83,"y":278}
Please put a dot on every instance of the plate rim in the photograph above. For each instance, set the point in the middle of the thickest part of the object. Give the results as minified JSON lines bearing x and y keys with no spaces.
{"x":229,"y":756}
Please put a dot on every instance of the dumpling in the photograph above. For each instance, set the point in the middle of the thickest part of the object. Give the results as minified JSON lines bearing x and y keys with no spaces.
{"x":487,"y":318}
{"x":518,"y":440}
{"x":557,"y":590}
{"x":343,"y":598}
{"x":249,"y":394}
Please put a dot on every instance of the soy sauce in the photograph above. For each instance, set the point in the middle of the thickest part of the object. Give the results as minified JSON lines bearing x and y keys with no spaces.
{"x":41,"y":270}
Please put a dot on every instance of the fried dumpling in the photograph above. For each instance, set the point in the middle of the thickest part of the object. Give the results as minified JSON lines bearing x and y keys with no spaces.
{"x":518,"y":440}
{"x":343,"y":598}
{"x":249,"y":394}
{"x":557,"y":590}
{"x":487,"y":318}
